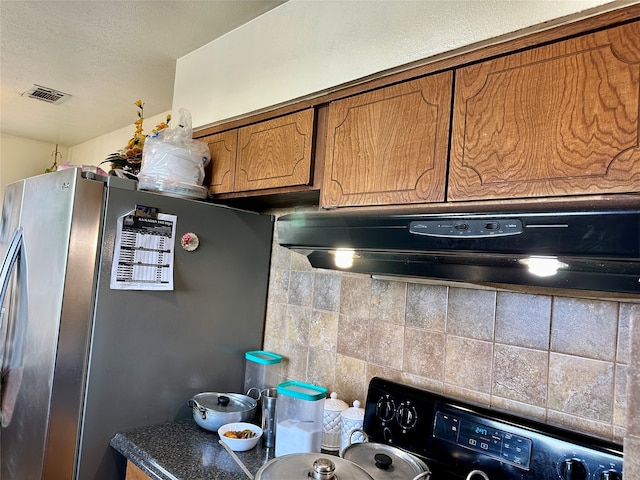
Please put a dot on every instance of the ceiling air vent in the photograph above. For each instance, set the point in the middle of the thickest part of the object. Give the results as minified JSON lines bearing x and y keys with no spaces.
{"x":45,"y":94}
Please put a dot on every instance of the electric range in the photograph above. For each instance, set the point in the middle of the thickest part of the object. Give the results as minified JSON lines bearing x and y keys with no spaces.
{"x":458,"y":440}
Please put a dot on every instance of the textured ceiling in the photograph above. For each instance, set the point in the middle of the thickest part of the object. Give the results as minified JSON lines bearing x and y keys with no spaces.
{"x":105,"y":54}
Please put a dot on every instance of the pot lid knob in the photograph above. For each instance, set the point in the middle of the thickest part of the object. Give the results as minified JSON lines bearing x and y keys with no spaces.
{"x":223,"y":400}
{"x":323,"y":469}
{"x":383,"y":462}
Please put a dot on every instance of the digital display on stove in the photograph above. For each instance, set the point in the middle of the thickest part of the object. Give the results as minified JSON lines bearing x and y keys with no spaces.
{"x":496,"y":443}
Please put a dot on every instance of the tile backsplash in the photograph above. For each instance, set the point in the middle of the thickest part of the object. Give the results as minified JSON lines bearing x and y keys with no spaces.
{"x":561,"y":360}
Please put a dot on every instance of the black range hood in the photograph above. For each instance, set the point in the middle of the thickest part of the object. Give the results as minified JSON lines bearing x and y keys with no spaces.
{"x":595,"y":250}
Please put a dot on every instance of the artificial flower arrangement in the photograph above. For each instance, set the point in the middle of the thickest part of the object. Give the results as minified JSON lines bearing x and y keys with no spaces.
{"x":129,"y":159}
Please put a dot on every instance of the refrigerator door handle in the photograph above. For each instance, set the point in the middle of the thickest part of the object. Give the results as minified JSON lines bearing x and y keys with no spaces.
{"x":13,"y":326}
{"x":8,"y":263}
{"x":15,"y":247}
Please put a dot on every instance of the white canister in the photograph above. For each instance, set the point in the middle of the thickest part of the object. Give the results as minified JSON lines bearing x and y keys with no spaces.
{"x":331,"y":431}
{"x":351,"y":418}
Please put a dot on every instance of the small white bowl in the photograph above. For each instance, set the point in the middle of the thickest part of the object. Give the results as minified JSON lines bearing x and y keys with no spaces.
{"x":240,"y":444}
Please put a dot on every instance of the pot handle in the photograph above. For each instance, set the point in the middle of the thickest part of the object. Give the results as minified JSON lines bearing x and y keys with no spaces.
{"x":196,"y":407}
{"x":423,"y":475}
{"x":357,"y":430}
{"x":256,"y":389}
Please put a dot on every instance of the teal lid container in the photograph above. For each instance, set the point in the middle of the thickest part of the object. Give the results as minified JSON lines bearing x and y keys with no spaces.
{"x":300,"y":415}
{"x":262,"y":357}
{"x":262,"y":371}
{"x":302,"y":391}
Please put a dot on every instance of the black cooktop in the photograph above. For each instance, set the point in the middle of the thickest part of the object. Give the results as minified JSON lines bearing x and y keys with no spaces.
{"x":458,"y":440}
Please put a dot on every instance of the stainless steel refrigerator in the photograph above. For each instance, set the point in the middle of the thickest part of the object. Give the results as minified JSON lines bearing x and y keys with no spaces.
{"x":82,"y":360}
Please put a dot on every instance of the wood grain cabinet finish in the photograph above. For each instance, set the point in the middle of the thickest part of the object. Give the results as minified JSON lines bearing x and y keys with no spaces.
{"x":560,"y":119}
{"x":135,"y":473}
{"x":269,"y":154}
{"x":221,"y":171}
{"x":275,"y":153}
{"x":389,"y":146}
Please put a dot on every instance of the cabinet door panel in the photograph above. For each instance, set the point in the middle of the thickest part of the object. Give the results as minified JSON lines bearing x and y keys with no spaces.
{"x":556,"y":120}
{"x":275,"y":153}
{"x":135,"y":473}
{"x":221,"y":168}
{"x":389,"y":146}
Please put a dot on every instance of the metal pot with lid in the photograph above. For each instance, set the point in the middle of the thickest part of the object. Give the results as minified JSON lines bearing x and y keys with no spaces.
{"x":385,"y":462}
{"x":306,"y":466}
{"x":211,"y":410}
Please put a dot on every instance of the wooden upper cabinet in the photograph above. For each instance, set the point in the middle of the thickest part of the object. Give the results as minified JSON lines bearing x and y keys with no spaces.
{"x":275,"y":153}
{"x":389,"y":146}
{"x":560,"y":119}
{"x":222,"y":168}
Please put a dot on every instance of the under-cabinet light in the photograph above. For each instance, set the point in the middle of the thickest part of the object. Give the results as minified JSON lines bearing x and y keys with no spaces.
{"x":543,"y":266}
{"x":344,"y":257}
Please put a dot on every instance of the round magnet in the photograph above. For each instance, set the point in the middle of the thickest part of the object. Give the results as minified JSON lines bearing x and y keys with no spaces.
{"x":190,"y":241}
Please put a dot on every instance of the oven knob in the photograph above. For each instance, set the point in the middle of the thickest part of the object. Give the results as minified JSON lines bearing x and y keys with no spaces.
{"x":407,"y":416}
{"x":573,"y":469}
{"x":387,"y":435}
{"x":610,"y":475}
{"x":385,"y":409}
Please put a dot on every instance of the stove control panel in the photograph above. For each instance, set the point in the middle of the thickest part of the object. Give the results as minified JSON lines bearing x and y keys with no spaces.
{"x":461,"y":441}
{"x":529,"y":451}
{"x":479,"y":437}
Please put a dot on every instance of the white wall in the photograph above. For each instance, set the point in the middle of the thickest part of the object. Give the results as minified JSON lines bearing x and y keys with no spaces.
{"x":21,"y":158}
{"x":96,"y":150}
{"x":306,"y":46}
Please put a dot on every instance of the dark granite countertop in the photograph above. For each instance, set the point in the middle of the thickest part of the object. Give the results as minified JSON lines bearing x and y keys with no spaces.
{"x":182,"y":450}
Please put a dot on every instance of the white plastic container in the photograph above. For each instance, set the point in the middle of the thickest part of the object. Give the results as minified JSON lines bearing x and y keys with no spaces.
{"x":262,"y":370}
{"x":299,"y":415}
{"x":331,"y":433}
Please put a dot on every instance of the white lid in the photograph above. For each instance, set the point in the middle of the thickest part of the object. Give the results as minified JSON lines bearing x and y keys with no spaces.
{"x":354,"y":413}
{"x":333,"y":404}
{"x":305,"y":465}
{"x":172,"y":188}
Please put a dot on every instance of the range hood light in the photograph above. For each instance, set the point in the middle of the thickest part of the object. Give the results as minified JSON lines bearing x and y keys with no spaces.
{"x":543,"y":266}
{"x":344,"y":257}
